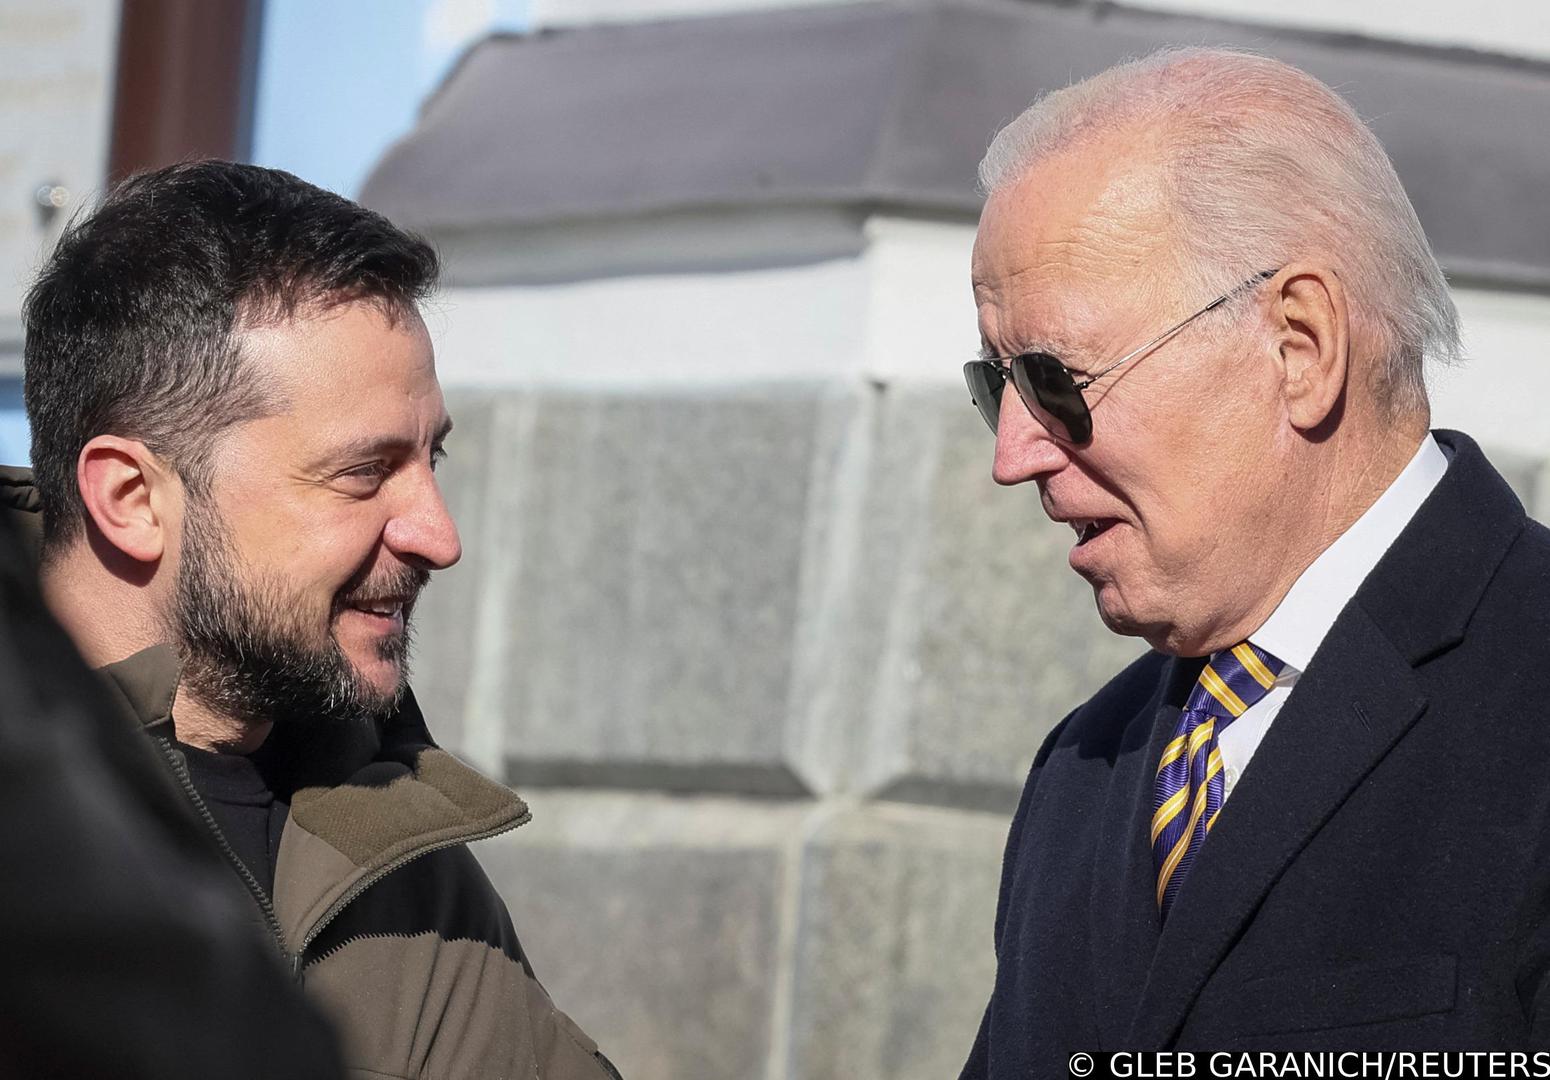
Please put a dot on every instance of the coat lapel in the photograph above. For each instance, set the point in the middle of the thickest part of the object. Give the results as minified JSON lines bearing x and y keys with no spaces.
{"x":1359,"y":696}
{"x":1125,"y":921}
{"x":1356,"y":701}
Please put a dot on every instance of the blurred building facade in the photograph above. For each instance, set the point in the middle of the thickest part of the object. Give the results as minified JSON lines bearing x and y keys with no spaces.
{"x":741,"y":612}
{"x":56,"y":97}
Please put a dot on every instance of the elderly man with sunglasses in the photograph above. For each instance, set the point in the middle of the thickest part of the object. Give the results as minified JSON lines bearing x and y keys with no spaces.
{"x":1316,"y":815}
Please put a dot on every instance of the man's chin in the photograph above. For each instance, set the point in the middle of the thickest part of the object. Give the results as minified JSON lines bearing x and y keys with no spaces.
{"x":381,"y":682}
{"x":378,"y":660}
{"x":1119,"y":622}
{"x":1121,"y":618}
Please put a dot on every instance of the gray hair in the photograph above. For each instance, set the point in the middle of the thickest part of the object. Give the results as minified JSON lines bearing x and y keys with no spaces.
{"x":1265,"y":164}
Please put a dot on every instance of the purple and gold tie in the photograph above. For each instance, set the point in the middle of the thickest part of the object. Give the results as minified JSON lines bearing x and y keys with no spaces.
{"x":1189,"y":789}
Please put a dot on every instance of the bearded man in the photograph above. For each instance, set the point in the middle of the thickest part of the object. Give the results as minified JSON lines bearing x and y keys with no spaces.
{"x":236,"y":423}
{"x":1314,"y":815}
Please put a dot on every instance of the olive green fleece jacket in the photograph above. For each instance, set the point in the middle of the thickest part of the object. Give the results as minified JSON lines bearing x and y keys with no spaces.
{"x":382,"y":912}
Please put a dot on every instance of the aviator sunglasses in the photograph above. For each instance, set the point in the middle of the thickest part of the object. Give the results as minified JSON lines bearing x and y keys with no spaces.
{"x":1050,"y":391}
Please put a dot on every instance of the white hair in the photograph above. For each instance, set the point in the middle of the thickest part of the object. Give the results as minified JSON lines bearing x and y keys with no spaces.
{"x":1265,"y":164}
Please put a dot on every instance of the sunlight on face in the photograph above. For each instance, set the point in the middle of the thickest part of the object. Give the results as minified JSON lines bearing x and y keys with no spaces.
{"x":328,"y":512}
{"x":1073,"y":258}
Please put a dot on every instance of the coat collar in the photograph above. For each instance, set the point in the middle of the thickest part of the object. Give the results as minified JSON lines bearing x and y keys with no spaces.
{"x":1357,"y":699}
{"x":1455,"y":543}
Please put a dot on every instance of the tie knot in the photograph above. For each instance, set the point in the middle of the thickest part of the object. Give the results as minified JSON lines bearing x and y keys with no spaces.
{"x":1233,"y":680}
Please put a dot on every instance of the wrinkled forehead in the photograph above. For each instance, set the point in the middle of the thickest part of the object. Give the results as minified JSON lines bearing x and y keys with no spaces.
{"x":1088,"y":213}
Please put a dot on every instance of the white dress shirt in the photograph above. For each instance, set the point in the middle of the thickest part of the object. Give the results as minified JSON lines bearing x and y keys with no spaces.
{"x":1295,"y":629}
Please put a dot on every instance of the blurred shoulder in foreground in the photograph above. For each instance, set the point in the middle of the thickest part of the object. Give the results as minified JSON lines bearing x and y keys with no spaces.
{"x":128,"y":952}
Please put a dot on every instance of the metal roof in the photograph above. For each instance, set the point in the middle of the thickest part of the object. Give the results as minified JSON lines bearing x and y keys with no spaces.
{"x":894,"y":103}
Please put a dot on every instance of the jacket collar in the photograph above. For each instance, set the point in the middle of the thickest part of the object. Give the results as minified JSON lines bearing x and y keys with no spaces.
{"x":410,"y":798}
{"x":145,"y":685}
{"x":365,"y":798}
{"x":1359,"y":696}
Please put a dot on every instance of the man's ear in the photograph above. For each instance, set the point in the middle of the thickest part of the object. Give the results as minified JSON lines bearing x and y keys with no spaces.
{"x":128,"y":492}
{"x":1313,"y":339}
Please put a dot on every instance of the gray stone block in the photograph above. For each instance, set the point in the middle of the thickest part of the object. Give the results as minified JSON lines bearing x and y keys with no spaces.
{"x":894,"y":959}
{"x":656,"y":923}
{"x":969,"y":634}
{"x":633,"y":581}
{"x":446,"y":621}
{"x":650,"y":588}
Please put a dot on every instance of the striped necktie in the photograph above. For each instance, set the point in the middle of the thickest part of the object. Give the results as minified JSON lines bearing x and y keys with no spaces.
{"x":1189,"y":789}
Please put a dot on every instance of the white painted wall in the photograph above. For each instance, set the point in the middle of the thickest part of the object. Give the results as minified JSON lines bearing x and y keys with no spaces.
{"x":1501,"y":395}
{"x":920,"y":316}
{"x":899,"y":306}
{"x":678,"y":329}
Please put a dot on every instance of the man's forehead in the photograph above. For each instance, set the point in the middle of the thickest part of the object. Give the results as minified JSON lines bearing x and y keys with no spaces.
{"x":1095,"y":204}
{"x":320,"y":349}
{"x":1056,"y":247}
{"x":345,"y":377}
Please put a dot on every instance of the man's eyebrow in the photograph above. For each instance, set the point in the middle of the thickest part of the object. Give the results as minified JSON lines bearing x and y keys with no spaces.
{"x":371,"y":446}
{"x":1053,"y":348}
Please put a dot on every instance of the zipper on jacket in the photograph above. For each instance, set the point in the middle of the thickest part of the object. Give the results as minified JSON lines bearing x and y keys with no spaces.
{"x":265,"y":905}
{"x":381,"y":872}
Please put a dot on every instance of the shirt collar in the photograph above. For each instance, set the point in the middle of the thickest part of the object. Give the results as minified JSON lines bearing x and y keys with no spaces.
{"x":1294,"y":630}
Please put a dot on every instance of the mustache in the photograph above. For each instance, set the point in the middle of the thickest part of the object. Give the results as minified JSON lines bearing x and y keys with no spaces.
{"x":403,"y":583}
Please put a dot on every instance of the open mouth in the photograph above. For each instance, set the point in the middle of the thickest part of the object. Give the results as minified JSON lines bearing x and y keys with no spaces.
{"x":387,"y":610}
{"x":1087,"y":529}
{"x":381,"y":603}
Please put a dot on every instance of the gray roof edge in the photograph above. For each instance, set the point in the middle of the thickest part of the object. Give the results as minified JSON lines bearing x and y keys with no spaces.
{"x":1098,"y":10}
{"x":690,"y":241}
{"x":1500,"y":274}
{"x":864,"y":197}
{"x":507,"y":144}
{"x":1310,"y":35}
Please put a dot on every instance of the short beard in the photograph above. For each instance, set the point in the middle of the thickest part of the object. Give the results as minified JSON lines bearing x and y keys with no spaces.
{"x":248,"y":653}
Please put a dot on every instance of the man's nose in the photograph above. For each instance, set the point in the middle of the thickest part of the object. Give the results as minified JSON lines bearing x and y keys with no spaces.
{"x":1025,"y":450}
{"x":421,"y":531}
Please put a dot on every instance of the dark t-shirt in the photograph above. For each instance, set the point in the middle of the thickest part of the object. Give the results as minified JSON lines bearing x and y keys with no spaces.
{"x":240,"y":790}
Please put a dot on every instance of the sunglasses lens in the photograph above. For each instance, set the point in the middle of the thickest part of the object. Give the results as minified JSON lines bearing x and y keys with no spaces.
{"x":986,"y":380}
{"x":1047,"y":389}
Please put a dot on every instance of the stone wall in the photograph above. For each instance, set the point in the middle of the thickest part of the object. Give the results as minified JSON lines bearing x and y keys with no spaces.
{"x":770,"y":663}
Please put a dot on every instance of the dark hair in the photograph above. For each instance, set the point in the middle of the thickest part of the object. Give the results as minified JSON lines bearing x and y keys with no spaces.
{"x":130,"y":325}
